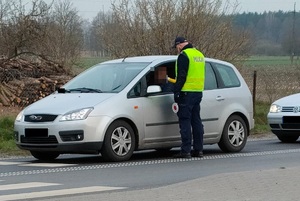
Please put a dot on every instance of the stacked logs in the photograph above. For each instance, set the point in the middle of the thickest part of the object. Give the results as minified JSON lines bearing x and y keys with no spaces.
{"x":23,"y":82}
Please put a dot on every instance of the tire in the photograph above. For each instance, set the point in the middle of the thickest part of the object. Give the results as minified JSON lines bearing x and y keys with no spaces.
{"x":234,"y":135}
{"x":119,"y":142}
{"x":288,"y":138}
{"x":44,"y":156}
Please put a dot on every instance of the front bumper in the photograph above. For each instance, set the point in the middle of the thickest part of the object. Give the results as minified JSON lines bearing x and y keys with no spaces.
{"x":84,"y":136}
{"x":284,"y":125}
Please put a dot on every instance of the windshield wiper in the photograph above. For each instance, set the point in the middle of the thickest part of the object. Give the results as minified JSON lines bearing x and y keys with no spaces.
{"x":116,"y":87}
{"x":84,"y":90}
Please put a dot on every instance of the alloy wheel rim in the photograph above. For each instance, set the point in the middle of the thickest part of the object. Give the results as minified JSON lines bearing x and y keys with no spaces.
{"x":121,"y":141}
{"x":236,"y":133}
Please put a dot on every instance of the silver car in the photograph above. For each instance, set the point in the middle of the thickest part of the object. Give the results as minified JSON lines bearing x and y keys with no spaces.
{"x":284,"y":118}
{"x":118,"y":107}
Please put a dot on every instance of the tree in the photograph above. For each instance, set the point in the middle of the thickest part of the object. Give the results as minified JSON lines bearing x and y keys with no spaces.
{"x":96,"y":40}
{"x":291,"y":39}
{"x":20,"y":28}
{"x":64,"y":39}
{"x":53,"y":31}
{"x":150,"y":26}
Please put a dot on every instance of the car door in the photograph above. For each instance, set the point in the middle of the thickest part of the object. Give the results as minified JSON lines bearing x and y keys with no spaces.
{"x":161,"y":123}
{"x":211,"y":105}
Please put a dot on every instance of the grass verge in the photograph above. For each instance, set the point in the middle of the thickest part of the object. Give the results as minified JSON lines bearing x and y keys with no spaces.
{"x":260,"y":117}
{"x":7,"y":141}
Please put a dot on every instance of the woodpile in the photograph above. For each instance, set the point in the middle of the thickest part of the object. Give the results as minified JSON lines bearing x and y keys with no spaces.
{"x":23,"y":82}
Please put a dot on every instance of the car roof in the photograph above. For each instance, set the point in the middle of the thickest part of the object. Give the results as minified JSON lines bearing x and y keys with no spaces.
{"x":148,"y":59}
{"x":157,"y":59}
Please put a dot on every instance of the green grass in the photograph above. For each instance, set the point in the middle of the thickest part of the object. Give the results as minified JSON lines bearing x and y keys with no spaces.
{"x":87,"y":62}
{"x":9,"y":148}
{"x":269,"y":60}
{"x":6,"y":129}
{"x":7,"y":142}
{"x":260,"y":118}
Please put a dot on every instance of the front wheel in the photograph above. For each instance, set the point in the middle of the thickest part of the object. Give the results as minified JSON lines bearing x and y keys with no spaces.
{"x":234,"y":135}
{"x":119,"y":142}
{"x":44,"y":156}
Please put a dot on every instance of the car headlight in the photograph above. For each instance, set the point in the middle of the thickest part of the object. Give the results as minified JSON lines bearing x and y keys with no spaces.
{"x":275,"y":108}
{"x":20,"y":116}
{"x":76,"y":114}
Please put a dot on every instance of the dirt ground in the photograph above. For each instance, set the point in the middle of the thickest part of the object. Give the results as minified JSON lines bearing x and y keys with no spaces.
{"x":9,"y":111}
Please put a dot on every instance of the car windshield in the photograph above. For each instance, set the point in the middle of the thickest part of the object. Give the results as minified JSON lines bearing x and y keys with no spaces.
{"x":105,"y":78}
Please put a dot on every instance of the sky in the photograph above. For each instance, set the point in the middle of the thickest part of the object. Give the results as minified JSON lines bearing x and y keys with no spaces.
{"x":267,"y":5}
{"x":88,"y":9}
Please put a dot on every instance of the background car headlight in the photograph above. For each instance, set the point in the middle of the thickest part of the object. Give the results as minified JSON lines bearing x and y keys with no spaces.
{"x":76,"y":114}
{"x":275,"y":108}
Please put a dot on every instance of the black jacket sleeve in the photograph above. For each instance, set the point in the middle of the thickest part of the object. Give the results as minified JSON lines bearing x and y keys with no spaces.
{"x":182,"y":69}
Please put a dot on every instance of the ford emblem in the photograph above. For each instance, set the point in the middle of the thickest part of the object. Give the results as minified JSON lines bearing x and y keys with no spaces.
{"x":35,"y":118}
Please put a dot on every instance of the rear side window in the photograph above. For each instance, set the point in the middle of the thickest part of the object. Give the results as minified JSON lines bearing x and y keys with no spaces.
{"x":227,"y":75}
{"x":210,"y":78}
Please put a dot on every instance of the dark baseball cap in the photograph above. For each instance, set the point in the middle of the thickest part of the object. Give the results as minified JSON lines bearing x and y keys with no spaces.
{"x":179,"y":40}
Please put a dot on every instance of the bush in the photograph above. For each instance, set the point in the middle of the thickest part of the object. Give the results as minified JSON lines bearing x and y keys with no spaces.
{"x":6,"y":129}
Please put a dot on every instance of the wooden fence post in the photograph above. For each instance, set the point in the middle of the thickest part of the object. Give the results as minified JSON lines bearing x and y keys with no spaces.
{"x":254,"y":90}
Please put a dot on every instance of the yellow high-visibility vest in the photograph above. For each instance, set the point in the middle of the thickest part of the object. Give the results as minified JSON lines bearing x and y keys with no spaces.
{"x":196,"y":73}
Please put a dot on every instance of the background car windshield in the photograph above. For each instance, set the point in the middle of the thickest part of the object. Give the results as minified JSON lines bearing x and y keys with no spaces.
{"x":109,"y":78}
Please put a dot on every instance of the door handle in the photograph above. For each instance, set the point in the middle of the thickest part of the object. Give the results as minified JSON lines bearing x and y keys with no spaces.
{"x":220,"y":98}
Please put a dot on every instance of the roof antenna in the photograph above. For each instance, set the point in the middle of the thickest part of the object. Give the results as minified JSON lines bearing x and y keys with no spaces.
{"x":124,"y":58}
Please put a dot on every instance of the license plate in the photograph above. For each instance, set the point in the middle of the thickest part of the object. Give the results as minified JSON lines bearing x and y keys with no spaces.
{"x":36,"y":132}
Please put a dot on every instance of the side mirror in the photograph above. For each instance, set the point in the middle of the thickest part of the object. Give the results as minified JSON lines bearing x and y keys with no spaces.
{"x":153,"y":89}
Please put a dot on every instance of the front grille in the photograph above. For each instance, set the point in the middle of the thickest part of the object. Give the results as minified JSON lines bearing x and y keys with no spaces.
{"x":39,"y":140}
{"x":290,"y":126}
{"x":287,"y":109}
{"x":40,"y":118}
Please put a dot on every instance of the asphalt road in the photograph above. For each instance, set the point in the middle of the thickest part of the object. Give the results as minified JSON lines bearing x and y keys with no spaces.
{"x":265,"y":170}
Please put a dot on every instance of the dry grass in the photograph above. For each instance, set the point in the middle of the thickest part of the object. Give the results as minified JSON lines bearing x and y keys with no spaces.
{"x":273,"y":82}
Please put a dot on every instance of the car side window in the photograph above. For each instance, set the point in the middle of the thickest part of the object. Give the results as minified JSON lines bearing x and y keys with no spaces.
{"x":135,"y":91}
{"x":228,"y":76}
{"x":158,"y":76}
{"x":139,"y":89}
{"x":210,"y":78}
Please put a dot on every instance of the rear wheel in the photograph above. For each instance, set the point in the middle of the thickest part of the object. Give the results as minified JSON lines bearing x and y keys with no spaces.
{"x":44,"y":155}
{"x":234,"y":136}
{"x":288,"y":139}
{"x":119,"y":142}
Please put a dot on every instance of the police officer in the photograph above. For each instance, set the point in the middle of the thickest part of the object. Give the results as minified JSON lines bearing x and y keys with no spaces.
{"x":190,"y":76}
